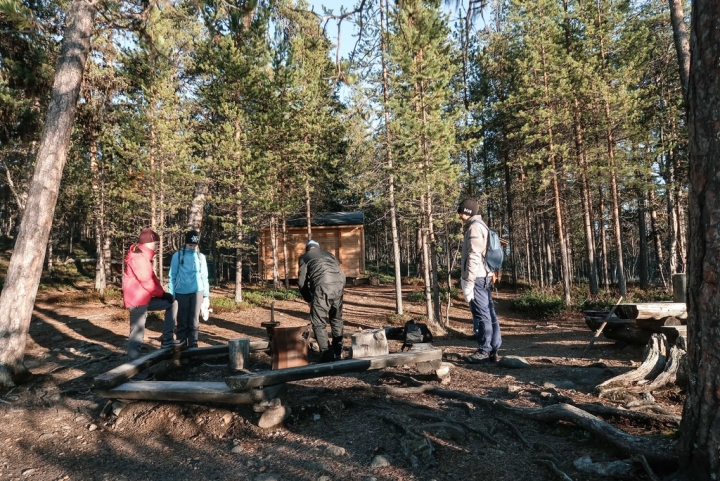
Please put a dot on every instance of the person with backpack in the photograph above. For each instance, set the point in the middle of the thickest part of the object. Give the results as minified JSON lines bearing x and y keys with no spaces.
{"x":188,"y":282}
{"x":321,"y":281}
{"x":481,"y":257}
{"x":142,"y":292}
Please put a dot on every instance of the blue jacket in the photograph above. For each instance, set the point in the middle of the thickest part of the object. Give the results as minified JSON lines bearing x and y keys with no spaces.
{"x":188,"y":273}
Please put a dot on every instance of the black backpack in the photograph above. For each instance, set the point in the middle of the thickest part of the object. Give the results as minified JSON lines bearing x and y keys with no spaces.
{"x":415,"y":333}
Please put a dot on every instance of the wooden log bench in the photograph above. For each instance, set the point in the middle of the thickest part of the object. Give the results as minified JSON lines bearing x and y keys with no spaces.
{"x":418,"y":354}
{"x":187,"y":391}
{"x":122,"y":373}
{"x":652,"y":310}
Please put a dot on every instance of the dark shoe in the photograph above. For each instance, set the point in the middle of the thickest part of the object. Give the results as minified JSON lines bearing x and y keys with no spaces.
{"x":143,"y":376}
{"x":478,"y":357}
{"x":327,"y":356}
{"x":494,"y":357}
{"x":174,"y":343}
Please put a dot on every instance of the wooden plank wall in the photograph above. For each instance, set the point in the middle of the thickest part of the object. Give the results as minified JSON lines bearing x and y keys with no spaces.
{"x":346,"y":243}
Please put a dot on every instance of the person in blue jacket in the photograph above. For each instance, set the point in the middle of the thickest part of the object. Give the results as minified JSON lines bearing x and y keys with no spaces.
{"x":188,"y":282}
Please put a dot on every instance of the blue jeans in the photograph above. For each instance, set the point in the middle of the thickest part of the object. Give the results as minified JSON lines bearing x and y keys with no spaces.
{"x":485,"y":323}
{"x":138,"y":315}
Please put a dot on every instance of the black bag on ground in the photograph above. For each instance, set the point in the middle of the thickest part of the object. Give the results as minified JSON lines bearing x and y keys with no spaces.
{"x":415,"y":333}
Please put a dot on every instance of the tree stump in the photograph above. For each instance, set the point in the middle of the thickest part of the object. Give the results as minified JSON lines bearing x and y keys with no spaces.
{"x":239,"y":354}
{"x":368,"y":343}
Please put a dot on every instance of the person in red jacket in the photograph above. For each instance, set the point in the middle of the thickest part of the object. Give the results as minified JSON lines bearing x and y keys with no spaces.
{"x":142,"y":292}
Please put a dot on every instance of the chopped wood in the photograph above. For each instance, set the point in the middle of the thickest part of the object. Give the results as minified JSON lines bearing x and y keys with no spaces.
{"x":197,"y":392}
{"x":652,"y":310}
{"x":331,"y":368}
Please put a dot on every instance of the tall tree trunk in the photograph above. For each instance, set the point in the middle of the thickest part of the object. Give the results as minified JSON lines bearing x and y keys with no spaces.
{"x":700,"y":437}
{"x":274,"y":245}
{"x":23,"y":274}
{"x":197,"y":206}
{"x":238,"y":251}
{"x":656,"y":236}
{"x":642,"y":231}
{"x":603,"y":242}
{"x":308,"y":212}
{"x":391,"y":174}
{"x":427,"y":277}
{"x":161,"y":244}
{"x":682,"y":45}
{"x":99,"y":219}
{"x":286,"y":262}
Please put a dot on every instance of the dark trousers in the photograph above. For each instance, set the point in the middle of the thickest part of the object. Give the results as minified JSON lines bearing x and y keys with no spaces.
{"x":188,"y":318}
{"x":138,"y":316}
{"x":327,"y":304}
{"x":485,"y":323}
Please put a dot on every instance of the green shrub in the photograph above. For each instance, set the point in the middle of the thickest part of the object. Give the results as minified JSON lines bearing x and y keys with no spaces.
{"x":540,"y":304}
{"x":416,"y":296}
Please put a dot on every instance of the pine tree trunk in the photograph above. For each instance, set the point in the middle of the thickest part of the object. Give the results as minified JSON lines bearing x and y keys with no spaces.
{"x":642,"y":231}
{"x":99,"y":219}
{"x":25,"y":268}
{"x":391,"y":175}
{"x":308,"y":213}
{"x":656,"y":236}
{"x":700,"y":437}
{"x":622,"y":286}
{"x":197,"y":207}
{"x":238,"y":251}
{"x":274,"y":245}
{"x":427,"y":277}
{"x":286,"y":265}
{"x":682,"y":45}
{"x":603,"y":242}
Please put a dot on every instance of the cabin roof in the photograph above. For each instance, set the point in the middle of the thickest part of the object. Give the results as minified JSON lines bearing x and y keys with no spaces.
{"x":330,"y":219}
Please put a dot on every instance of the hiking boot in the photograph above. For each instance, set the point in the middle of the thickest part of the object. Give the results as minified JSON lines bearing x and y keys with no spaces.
{"x":174,"y":343}
{"x":493,"y":357}
{"x":327,"y":356}
{"x":478,"y":357}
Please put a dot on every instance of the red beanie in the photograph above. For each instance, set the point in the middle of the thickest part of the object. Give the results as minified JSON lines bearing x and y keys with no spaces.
{"x":148,"y":235}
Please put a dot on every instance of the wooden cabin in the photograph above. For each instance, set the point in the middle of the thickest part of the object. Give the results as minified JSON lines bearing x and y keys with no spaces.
{"x":340,"y":233}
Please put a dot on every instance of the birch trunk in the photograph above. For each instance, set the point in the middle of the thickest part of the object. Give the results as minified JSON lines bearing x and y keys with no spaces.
{"x":25,"y":268}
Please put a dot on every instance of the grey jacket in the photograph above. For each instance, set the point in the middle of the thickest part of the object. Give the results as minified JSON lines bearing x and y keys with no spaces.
{"x":473,"y":250}
{"x":319,"y":268}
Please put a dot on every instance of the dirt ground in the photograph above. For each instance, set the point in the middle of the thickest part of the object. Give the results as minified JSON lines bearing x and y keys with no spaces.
{"x":57,"y":428}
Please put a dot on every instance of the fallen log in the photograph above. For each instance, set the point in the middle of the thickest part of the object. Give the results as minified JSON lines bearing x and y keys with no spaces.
{"x":186,"y":391}
{"x":269,"y":378}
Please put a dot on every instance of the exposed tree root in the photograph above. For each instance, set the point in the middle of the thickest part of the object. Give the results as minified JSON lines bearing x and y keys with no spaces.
{"x":517,"y":432}
{"x":554,"y":469}
{"x":656,"y":451}
{"x":660,"y":368}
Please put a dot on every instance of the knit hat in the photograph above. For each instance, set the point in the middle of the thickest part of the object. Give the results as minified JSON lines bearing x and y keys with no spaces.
{"x":469,"y":207}
{"x":310,"y":245}
{"x":148,"y":235}
{"x":192,"y":237}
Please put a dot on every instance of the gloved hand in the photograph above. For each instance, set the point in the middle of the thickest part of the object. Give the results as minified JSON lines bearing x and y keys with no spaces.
{"x":168,"y":297}
{"x":468,"y":290}
{"x":205,"y":308}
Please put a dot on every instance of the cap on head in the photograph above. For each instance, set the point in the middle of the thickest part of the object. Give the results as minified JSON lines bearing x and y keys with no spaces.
{"x":147,"y":236}
{"x":192,"y":237}
{"x":310,"y":245}
{"x":468,"y":207}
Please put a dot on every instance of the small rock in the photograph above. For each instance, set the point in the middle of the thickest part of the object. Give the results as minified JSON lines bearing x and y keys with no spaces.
{"x":444,"y":369}
{"x":514,"y":362}
{"x":496,"y":452}
{"x":27,"y":472}
{"x":513,"y":389}
{"x":316,"y":417}
{"x":546,"y":395}
{"x":614,"y":469}
{"x":273,"y":417}
{"x":380,"y":461}
{"x":117,"y":408}
{"x":336,"y":451}
{"x":55,"y":398}
{"x":369,"y":478}
{"x":268,"y":477}
{"x":324,"y":478}
{"x":92,"y":427}
{"x":237,"y":449}
{"x":227,"y":418}
{"x":559,"y":385}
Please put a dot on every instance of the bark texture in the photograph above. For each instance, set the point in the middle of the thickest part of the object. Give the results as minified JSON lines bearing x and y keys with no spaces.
{"x":682,"y":45}
{"x":700,"y":431}
{"x":23,"y":275}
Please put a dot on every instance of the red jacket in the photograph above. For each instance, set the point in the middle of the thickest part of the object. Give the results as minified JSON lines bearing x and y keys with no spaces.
{"x":139,"y":280}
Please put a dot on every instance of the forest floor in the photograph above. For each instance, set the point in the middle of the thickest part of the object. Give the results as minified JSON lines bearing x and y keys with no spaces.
{"x":55,"y":427}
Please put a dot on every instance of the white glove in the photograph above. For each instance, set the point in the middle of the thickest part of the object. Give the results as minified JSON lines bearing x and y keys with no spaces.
{"x":468,"y":289}
{"x":205,"y":308}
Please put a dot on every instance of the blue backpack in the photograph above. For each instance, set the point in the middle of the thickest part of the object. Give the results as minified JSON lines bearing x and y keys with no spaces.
{"x":494,"y":254}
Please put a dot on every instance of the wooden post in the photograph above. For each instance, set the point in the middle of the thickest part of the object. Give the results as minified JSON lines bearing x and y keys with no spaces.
{"x":602,"y":326}
{"x":679,"y":283}
{"x":239,"y":354}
